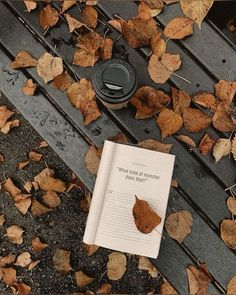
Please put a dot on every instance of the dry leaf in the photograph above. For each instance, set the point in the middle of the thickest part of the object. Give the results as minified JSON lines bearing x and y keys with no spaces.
{"x":155,"y":145}
{"x":14,"y":234}
{"x":196,"y":10}
{"x":35,"y":185}
{"x":195,"y":120}
{"x":51,"y":199}
{"x":198,"y":280}
{"x":67,"y":4}
{"x":231,"y":204}
{"x":61,"y":82}
{"x":228,"y":232}
{"x":23,"y":205}
{"x":86,"y":202}
{"x":49,"y":67}
{"x":144,"y":217}
{"x":116,"y":266}
{"x":82,"y":97}
{"x":145,"y":264}
{"x":38,"y":245}
{"x":92,"y":160}
{"x":23,"y":60}
{"x":5,"y":114}
{"x":43,"y":143}
{"x":48,"y":17}
{"x":37,"y":209}
{"x":7,"y":260}
{"x":225,"y":91}
{"x":30,"y":5}
{"x":105,"y":289}
{"x":222,"y":120}
{"x":2,"y":219}
{"x":231,"y":287}
{"x":174,"y":183}
{"x":181,"y":100}
{"x":61,"y":261}
{"x":73,"y":23}
{"x":149,"y":101}
{"x":23,"y":260}
{"x":9,"y":276}
{"x":28,"y":186}
{"x":179,"y":28}
{"x":9,"y":125}
{"x":187,"y":140}
{"x":33,"y":156}
{"x":160,"y":48}
{"x":21,"y":289}
{"x":233,"y":149}
{"x":161,"y":68}
{"x":82,"y":279}
{"x":167,"y":289}
{"x":33,"y":264}
{"x":169,"y":123}
{"x":205,"y":99}
{"x":178,"y":225}
{"x":206,"y":144}
{"x":90,"y":249}
{"x":11,"y":188}
{"x":22,"y":164}
{"x":90,"y":16}
{"x":145,"y":11}
{"x":222,"y":148}
{"x":47,"y":182}
{"x":29,"y":87}
{"x":116,"y":23}
{"x":106,"y":50}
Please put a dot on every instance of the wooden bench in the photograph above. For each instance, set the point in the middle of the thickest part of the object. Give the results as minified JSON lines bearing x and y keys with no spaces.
{"x":207,"y":57}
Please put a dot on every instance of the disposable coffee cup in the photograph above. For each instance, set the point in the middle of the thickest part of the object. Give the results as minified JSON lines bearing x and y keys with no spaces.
{"x":114,"y":82}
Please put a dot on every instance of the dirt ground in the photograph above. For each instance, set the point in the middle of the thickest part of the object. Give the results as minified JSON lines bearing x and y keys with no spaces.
{"x":61,"y":228}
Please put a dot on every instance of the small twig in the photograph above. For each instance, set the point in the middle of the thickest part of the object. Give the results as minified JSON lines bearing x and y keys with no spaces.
{"x":102,"y":22}
{"x":45,"y":32}
{"x":107,"y":30}
{"x":78,"y":7}
{"x":182,"y":78}
{"x":117,"y":16}
{"x":167,"y":40}
{"x":118,"y":38}
{"x":159,"y":233}
{"x":102,"y":275}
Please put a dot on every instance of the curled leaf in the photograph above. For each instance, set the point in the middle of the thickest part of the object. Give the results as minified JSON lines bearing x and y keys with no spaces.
{"x":23,"y":60}
{"x":72,"y":22}
{"x":206,"y":144}
{"x":222,"y":148}
{"x":187,"y":140}
{"x":116,"y":266}
{"x":47,"y":181}
{"x":38,"y":245}
{"x":37,"y":209}
{"x":179,"y":28}
{"x":51,"y":199}
{"x":2,"y":220}
{"x":23,"y":205}
{"x":10,"y":258}
{"x":228,"y":232}
{"x":105,"y":289}
{"x":155,"y":145}
{"x":9,"y":125}
{"x":9,"y":276}
{"x":106,"y":50}
{"x":195,"y":120}
{"x":30,"y":5}
{"x":92,"y":159}
{"x":205,"y":99}
{"x":20,"y":289}
{"x":5,"y":114}
{"x":233,"y":149}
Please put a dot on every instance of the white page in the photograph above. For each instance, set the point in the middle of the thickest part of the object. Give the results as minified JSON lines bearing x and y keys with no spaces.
{"x":117,"y":229}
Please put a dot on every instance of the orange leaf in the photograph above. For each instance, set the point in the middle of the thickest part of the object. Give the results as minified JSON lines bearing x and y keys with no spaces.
{"x":29,"y":87}
{"x":82,"y":279}
{"x":38,"y":245}
{"x":106,"y":50}
{"x":105,"y":289}
{"x":33,"y":156}
{"x":61,"y":82}
{"x":181,"y":100}
{"x":21,"y":289}
{"x":9,"y":276}
{"x":228,"y":232}
{"x":222,"y":120}
{"x":37,"y":209}
{"x":90,"y":16}
{"x":205,"y":99}
{"x":14,"y":234}
{"x":23,"y":205}
{"x":47,"y":182}
{"x":206,"y":144}
{"x":30,"y":5}
{"x":5,"y":114}
{"x":23,"y":60}
{"x":73,"y":23}
{"x":2,"y":219}
{"x":155,"y":145}
{"x":9,"y":125}
{"x":179,"y":28}
{"x":48,"y":17}
{"x":225,"y":91}
{"x":90,"y":249}
{"x":23,"y":260}
{"x":51,"y":199}
{"x":67,"y":4}
{"x":195,"y":120}
{"x":7,"y":260}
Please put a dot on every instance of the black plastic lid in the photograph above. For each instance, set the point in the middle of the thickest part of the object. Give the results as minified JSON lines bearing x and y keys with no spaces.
{"x":114,"y":81}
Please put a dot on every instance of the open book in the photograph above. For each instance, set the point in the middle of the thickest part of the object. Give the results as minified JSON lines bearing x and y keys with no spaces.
{"x":126,"y":171}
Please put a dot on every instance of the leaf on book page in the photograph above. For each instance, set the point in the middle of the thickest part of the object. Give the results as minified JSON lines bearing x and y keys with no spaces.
{"x":144,"y":217}
{"x":206,"y":144}
{"x":221,"y":148}
{"x":145,"y":264}
{"x":38,"y":245}
{"x":61,"y":261}
{"x":231,"y":204}
{"x":198,"y":279}
{"x":105,"y":289}
{"x":82,"y":279}
{"x":178,"y":225}
{"x":231,"y":287}
{"x":167,"y":289}
{"x":187,"y":140}
{"x":116,"y":266}
{"x":90,"y":249}
{"x":155,"y":145}
{"x":228,"y":232}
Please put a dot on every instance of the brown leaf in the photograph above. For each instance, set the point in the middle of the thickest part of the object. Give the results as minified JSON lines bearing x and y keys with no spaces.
{"x":86,"y":202}
{"x":51,"y":199}
{"x":30,"y":5}
{"x":67,"y":4}
{"x":48,"y":17}
{"x":231,"y":287}
{"x":23,"y":260}
{"x":116,"y":266}
{"x":169,"y":123}
{"x":198,"y":280}
{"x":205,"y":99}
{"x":206,"y":144}
{"x":116,"y":23}
{"x":7,"y":260}
{"x":179,"y":28}
{"x":1,"y":159}
{"x":9,"y":276}
{"x":159,"y":48}
{"x":73,"y":23}
{"x":33,"y":264}
{"x":155,"y":145}
{"x":38,"y":245}
{"x":231,"y":204}
{"x":90,"y":16}
{"x":61,"y":261}
{"x":2,"y":220}
{"x":145,"y":264}
{"x":9,"y":125}
{"x":33,"y":156}
{"x":37,"y":209}
{"x":11,"y":188}
{"x":29,"y":87}
{"x":23,"y":205}
{"x":196,"y":10}
{"x":22,"y":164}
{"x":21,"y":289}
{"x":178,"y":225}
{"x":222,"y":148}
{"x":105,"y":289}
{"x":82,"y":97}
{"x":161,"y":68}
{"x":225,"y":91}
{"x":149,"y":101}
{"x":228,"y":232}
{"x":49,"y":67}
{"x":82,"y":279}
{"x":174,"y":183}
{"x":106,"y":50}
{"x":144,"y":217}
{"x":92,"y":160}
{"x":5,"y":114}
{"x":43,"y":143}
{"x":181,"y":100}
{"x":90,"y":249}
{"x":47,"y":182}
{"x":222,"y":120}
{"x":61,"y":82}
{"x":146,"y":11}
{"x":167,"y":289}
{"x":35,"y":185}
{"x":155,"y":38}
{"x":195,"y":120}
{"x":233,"y":148}
{"x":14,"y":234}
{"x":187,"y":140}
{"x":23,"y":60}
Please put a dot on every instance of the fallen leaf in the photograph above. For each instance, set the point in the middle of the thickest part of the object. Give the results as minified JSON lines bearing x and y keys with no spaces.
{"x":205,"y":99}
{"x":33,"y":156}
{"x":61,"y":261}
{"x":90,"y":249}
{"x":149,"y":101}
{"x":228,"y":232}
{"x":9,"y":125}
{"x":159,"y":48}
{"x":21,"y":289}
{"x":49,"y":67}
{"x":174,"y":183}
{"x":196,"y":10}
{"x":5,"y":114}
{"x":14,"y":234}
{"x":67,"y":4}
{"x":1,"y":159}
{"x":106,"y":50}
{"x":144,"y":217}
{"x":73,"y":23}
{"x":145,"y":11}
{"x":33,"y":264}
{"x":222,"y":120}
{"x":231,"y":204}
{"x":90,"y":16}
{"x":47,"y":182}
{"x":7,"y":260}
{"x":179,"y":28}
{"x":181,"y":100}
{"x":231,"y":287}
{"x":35,"y":185}
{"x":82,"y":97}
{"x":169,"y":123}
{"x":145,"y":264}
{"x":116,"y":266}
{"x":167,"y":289}
{"x":233,"y":148}
{"x":48,"y":17}
{"x":92,"y":160}
{"x":161,"y":68}
{"x":86,"y":202}
{"x":155,"y":145}
{"x":22,"y":164}
{"x":38,"y":245}
{"x":23,"y":205}
{"x":187,"y":140}
{"x":43,"y":143}
{"x":61,"y":82}
{"x":178,"y":225}
{"x":221,"y":148}
{"x":195,"y":120}
{"x":37,"y":209}
{"x":51,"y":199}
{"x":11,"y":188}
{"x":82,"y":279}
{"x":29,"y":87}
{"x":30,"y":5}
{"x":206,"y":144}
{"x":23,"y":60}
{"x":28,"y":186}
{"x":198,"y":280}
{"x":2,"y":219}
{"x":9,"y":276}
{"x":105,"y":289}
{"x":116,"y":23}
{"x":23,"y":260}
{"x":225,"y":91}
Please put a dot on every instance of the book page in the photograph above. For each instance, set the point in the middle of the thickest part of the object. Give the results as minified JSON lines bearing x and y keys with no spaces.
{"x":140,"y":172}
